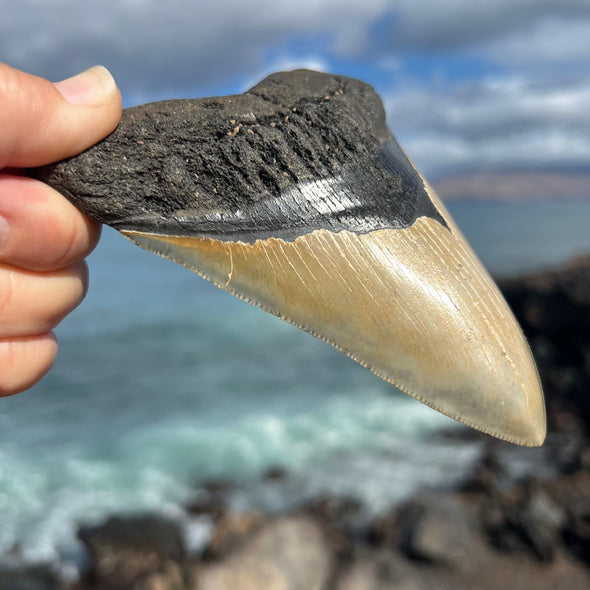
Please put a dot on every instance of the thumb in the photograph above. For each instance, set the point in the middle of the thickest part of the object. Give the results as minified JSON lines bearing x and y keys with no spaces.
{"x":43,"y":122}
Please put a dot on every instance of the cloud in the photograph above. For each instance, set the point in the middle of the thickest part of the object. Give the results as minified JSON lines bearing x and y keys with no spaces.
{"x":546,"y":44}
{"x":500,"y":123}
{"x":526,"y":108}
{"x":432,"y":25}
{"x":176,"y":45}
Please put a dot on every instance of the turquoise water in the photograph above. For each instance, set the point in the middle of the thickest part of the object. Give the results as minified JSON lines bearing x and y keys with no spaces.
{"x":164,"y":381}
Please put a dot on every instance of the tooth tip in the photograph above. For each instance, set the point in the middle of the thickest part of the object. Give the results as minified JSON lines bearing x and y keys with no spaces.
{"x":534,"y":430}
{"x":526,"y":425}
{"x":533,"y":437}
{"x":532,"y":433}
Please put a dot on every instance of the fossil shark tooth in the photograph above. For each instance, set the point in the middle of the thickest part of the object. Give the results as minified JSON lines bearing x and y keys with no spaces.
{"x":295,"y":197}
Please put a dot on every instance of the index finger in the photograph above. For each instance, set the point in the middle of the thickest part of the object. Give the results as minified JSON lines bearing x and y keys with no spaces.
{"x":39,"y":229}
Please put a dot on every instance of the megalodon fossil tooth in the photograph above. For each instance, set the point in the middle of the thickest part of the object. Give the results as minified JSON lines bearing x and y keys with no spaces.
{"x":295,"y":197}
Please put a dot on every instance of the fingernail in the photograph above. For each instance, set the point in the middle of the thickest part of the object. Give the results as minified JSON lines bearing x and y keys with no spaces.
{"x":4,"y":231}
{"x":92,"y":87}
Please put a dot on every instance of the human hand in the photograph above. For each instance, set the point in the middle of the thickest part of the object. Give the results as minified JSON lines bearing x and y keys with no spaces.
{"x":43,"y":237}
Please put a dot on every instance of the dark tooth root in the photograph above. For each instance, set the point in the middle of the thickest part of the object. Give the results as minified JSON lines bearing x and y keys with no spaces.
{"x":191,"y":167}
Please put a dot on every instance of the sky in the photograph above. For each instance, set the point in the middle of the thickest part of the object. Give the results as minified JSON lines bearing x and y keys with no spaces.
{"x":468,"y":85}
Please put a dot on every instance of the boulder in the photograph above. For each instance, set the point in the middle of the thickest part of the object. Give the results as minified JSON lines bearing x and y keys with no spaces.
{"x":289,"y":553}
{"x":125,"y":549}
{"x":436,"y":529}
{"x":231,"y":531}
{"x":381,"y":570}
{"x":34,"y":577}
{"x":526,"y":519}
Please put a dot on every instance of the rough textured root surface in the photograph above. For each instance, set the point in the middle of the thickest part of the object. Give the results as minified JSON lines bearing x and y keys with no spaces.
{"x":299,"y":151}
{"x":224,"y":152}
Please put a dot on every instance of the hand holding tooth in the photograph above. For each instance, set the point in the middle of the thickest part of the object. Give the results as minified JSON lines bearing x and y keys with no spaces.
{"x":296,"y":197}
{"x":43,"y":237}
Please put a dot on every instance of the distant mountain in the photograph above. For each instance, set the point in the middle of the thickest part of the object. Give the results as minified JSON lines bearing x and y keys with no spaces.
{"x":514,"y":186}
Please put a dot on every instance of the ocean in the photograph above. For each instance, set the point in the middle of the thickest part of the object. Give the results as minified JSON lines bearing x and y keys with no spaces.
{"x":164,"y":382}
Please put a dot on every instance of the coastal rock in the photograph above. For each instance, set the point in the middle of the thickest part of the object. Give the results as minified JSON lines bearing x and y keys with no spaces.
{"x":289,"y":553}
{"x":205,"y":504}
{"x":231,"y":531}
{"x":36,"y":577}
{"x":577,"y":532}
{"x":125,"y":549}
{"x":212,"y":499}
{"x":572,"y":492}
{"x":382,"y":570}
{"x":541,"y":521}
{"x":171,"y":577}
{"x":436,"y":529}
{"x":488,"y":475}
{"x":341,"y":519}
{"x":572,"y":280}
{"x":526,"y":519}
{"x":384,"y":530}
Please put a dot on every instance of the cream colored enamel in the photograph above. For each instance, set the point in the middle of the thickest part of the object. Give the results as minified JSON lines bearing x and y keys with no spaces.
{"x":413,"y":305}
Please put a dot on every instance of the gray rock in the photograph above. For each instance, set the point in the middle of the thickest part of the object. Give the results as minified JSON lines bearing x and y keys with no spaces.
{"x":34,"y":577}
{"x":379,"y":571}
{"x":525,"y":519}
{"x":436,"y":529}
{"x":541,"y":521}
{"x":286,"y":554}
{"x":126,"y":549}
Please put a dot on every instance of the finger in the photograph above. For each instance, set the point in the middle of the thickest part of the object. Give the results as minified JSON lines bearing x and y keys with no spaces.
{"x":43,"y":122}
{"x":34,"y":303}
{"x":24,"y":361}
{"x":39,"y":229}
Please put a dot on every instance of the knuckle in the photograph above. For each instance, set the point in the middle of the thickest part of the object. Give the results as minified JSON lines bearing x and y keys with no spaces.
{"x":8,"y":82}
{"x":7,"y":290}
{"x":24,"y":361}
{"x":75,"y":239}
{"x":72,"y":293}
{"x":69,"y":249}
{"x":9,"y":360}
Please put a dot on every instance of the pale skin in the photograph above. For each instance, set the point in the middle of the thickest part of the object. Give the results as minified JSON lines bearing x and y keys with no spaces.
{"x":44,"y":239}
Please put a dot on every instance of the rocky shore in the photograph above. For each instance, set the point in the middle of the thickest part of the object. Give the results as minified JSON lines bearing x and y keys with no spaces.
{"x":494,"y":530}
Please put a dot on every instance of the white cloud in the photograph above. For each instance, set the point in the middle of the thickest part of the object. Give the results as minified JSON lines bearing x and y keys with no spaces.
{"x":545,"y":44}
{"x":532,"y":115}
{"x":507,"y":123}
{"x":454,"y":24}
{"x":152,"y":45}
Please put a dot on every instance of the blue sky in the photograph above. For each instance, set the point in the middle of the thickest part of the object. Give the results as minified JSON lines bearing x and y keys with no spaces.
{"x":469,"y":85}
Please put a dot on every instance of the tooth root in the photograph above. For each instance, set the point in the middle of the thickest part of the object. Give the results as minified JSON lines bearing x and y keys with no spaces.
{"x":413,"y":305}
